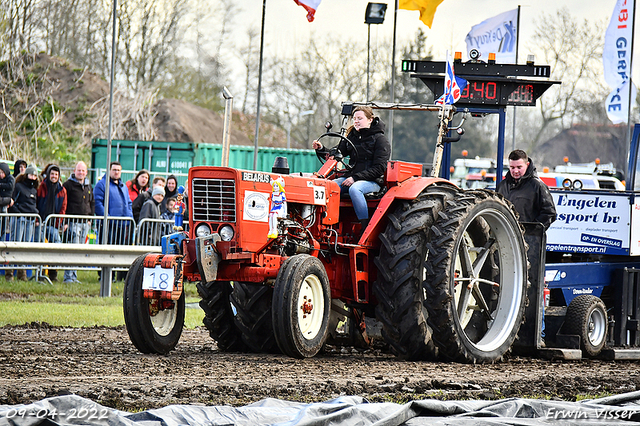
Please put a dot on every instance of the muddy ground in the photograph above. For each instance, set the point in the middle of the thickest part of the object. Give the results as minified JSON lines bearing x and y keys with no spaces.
{"x":38,"y":361}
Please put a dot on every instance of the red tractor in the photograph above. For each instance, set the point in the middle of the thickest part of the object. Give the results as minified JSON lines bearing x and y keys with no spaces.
{"x":442,"y":269}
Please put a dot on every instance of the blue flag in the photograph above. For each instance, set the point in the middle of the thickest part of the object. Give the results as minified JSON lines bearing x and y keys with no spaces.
{"x":453,"y":86}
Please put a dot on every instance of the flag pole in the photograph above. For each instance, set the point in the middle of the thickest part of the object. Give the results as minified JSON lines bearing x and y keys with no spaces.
{"x":255,"y":141}
{"x":393,"y":78}
{"x":513,"y":140}
{"x":633,"y":31}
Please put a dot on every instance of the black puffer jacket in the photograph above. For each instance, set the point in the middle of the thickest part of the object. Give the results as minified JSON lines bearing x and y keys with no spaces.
{"x":373,"y":150}
{"x":6,"y":187}
{"x":24,"y":195}
{"x":530,"y":196}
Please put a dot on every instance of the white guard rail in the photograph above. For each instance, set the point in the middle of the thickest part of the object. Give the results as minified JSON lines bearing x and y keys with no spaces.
{"x":75,"y":242}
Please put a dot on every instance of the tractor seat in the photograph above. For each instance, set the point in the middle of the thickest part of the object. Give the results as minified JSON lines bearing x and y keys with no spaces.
{"x":376,"y":195}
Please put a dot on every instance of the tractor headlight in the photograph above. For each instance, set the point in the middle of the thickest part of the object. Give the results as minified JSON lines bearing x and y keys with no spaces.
{"x":203,"y":230}
{"x":226,"y":233}
{"x":566,"y":184}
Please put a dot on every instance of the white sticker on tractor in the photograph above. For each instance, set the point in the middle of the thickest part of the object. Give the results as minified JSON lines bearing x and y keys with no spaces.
{"x":256,"y":206}
{"x":158,"y":278}
{"x":319,"y":195}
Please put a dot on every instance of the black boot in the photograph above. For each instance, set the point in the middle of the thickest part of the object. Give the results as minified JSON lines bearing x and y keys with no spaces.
{"x":363,"y":225}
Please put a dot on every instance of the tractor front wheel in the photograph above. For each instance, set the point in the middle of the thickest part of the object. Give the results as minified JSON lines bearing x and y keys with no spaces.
{"x":301,"y":306}
{"x":153,"y":325}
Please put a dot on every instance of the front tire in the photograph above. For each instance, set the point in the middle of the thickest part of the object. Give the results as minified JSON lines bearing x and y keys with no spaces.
{"x":153,"y":325}
{"x":301,"y":306}
{"x":587,"y":317}
{"x":477,"y":277}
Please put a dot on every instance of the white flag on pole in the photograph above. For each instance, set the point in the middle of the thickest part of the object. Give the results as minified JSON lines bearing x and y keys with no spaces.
{"x":495,"y":35}
{"x":616,"y":59}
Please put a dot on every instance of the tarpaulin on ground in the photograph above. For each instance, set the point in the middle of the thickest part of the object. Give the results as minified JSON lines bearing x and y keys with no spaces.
{"x":347,"y":410}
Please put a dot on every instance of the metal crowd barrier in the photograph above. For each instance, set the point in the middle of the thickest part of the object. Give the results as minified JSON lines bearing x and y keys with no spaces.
{"x":20,"y":228}
{"x":150,"y":231}
{"x":76,"y":232}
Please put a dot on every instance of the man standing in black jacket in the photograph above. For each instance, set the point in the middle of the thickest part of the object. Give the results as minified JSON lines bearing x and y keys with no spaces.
{"x":529,"y":195}
{"x":80,"y":201}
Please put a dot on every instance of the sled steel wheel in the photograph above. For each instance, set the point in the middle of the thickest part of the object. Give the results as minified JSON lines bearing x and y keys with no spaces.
{"x":587,"y":317}
{"x":401,"y":272}
{"x":219,"y":315}
{"x":153,"y":325}
{"x":253,"y":303}
{"x":301,"y":306}
{"x":477,"y":284}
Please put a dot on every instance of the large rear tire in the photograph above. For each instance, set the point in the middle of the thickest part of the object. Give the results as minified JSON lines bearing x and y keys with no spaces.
{"x":587,"y":317}
{"x":400,"y":264}
{"x":153,"y":325}
{"x":219,"y":315}
{"x":301,"y":306}
{"x":253,"y":303}
{"x":476,"y":280}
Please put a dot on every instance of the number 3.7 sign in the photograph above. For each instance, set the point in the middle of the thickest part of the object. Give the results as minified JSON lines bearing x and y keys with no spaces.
{"x":158,"y":278}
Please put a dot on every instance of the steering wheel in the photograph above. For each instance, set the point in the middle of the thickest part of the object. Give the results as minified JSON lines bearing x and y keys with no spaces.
{"x":335,"y":152}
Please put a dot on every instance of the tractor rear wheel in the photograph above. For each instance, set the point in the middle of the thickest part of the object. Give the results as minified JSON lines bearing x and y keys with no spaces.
{"x":301,"y":306}
{"x":476,"y":277}
{"x":253,"y":316}
{"x":219,"y":315}
{"x":399,"y":287}
{"x":587,"y":317}
{"x":153,"y":325}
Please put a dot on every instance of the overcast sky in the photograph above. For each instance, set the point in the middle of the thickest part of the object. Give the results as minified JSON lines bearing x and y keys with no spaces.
{"x":286,"y":26}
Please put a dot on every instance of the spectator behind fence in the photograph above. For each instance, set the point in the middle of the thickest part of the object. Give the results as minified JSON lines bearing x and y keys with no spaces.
{"x":171,"y":190}
{"x":7,"y":182}
{"x":137,"y":204}
{"x":119,"y":231}
{"x":169,"y":214}
{"x":19,"y":167}
{"x":52,"y":199}
{"x":119,"y":204}
{"x":150,"y":235}
{"x":80,"y":201}
{"x":138,"y":184}
{"x":24,"y":195}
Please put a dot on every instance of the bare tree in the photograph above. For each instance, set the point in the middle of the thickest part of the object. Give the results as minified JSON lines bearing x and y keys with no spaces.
{"x":574,"y":51}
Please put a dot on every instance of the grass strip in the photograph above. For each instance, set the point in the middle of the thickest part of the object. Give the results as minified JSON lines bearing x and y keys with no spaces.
{"x":18,"y":312}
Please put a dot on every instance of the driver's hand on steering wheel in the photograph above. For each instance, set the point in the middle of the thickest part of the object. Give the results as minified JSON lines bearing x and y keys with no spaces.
{"x":316,"y":145}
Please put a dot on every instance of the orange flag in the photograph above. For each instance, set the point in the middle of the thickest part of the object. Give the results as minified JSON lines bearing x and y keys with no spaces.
{"x":427,"y":8}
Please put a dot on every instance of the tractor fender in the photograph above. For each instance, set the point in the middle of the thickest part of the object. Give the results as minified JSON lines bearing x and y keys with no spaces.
{"x":406,"y":190}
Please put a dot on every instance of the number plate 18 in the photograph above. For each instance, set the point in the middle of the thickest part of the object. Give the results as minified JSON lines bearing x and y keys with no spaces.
{"x":158,"y":278}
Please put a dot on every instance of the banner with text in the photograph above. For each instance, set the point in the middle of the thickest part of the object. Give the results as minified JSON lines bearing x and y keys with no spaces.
{"x":496,"y":35}
{"x":590,"y":223}
{"x":616,"y":59}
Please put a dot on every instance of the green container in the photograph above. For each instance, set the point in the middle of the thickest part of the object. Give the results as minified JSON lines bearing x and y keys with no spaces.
{"x":160,"y":158}
{"x":165,"y":158}
{"x":241,"y":157}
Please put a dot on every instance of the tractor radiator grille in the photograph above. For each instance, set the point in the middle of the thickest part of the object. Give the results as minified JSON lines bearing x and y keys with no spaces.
{"x":214,"y":200}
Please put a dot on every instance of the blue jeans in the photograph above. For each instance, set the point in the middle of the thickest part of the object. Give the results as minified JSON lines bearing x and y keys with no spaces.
{"x":356,"y":192}
{"x":78,"y":232}
{"x":23,"y":230}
